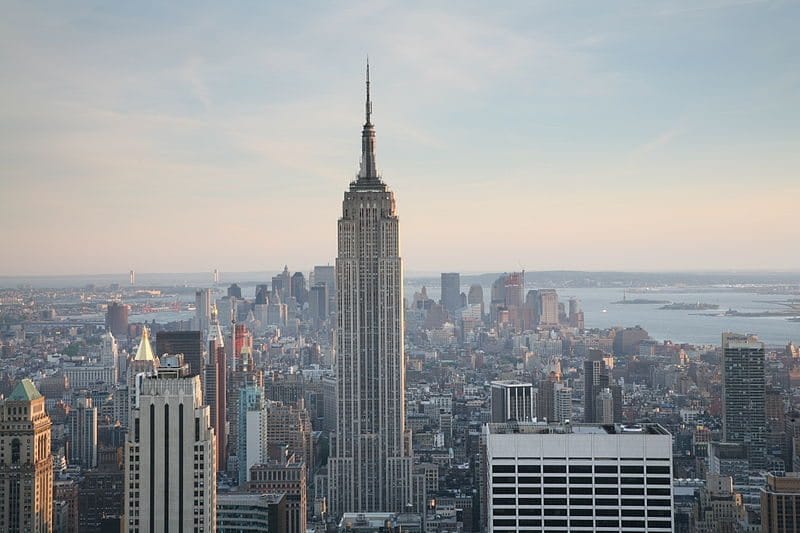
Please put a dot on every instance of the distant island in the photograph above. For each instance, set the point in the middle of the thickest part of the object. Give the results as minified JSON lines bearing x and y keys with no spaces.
{"x":686,"y":306}
{"x":640,"y":301}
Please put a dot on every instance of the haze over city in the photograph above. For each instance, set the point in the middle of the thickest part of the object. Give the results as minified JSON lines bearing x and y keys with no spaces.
{"x":628,"y":136}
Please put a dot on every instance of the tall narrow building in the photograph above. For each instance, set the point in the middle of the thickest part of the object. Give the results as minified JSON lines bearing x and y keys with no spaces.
{"x":170,"y":457}
{"x":744,"y":415}
{"x":371,"y":462}
{"x":26,"y":465}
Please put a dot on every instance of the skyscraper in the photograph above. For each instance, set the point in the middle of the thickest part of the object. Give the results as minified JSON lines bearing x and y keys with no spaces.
{"x":744,"y":395}
{"x":170,"y":459}
{"x":26,"y":465}
{"x":451,"y":291}
{"x":215,"y":387}
{"x":299,"y":287}
{"x":475,"y":296}
{"x":202,"y":302}
{"x":188,"y":343}
{"x":117,"y":319}
{"x":371,"y":462}
{"x":83,"y":433}
{"x":513,"y":400}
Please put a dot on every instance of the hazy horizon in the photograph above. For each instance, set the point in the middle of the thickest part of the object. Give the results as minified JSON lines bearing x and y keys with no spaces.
{"x":622,"y":137}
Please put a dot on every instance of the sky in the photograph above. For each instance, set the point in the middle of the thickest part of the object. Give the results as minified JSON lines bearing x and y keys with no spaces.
{"x":187,"y":136}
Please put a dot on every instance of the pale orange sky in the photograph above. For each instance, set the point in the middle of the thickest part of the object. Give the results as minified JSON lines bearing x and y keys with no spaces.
{"x":167,"y":140}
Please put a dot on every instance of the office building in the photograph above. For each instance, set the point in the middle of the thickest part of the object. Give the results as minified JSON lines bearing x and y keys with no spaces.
{"x":596,"y":379}
{"x":117,"y":319}
{"x":202,"y":302}
{"x":284,"y":476}
{"x":143,"y":364}
{"x":188,"y":343}
{"x":241,"y":512}
{"x":299,"y":288}
{"x":83,"y":433}
{"x":718,"y":507}
{"x":26,"y":465}
{"x":513,"y":400}
{"x":744,"y":395}
{"x":371,"y":460}
{"x":326,"y":274}
{"x":475,"y":297}
{"x":235,"y":291}
{"x":780,"y":504}
{"x":547,"y":307}
{"x":109,"y":353}
{"x":451,"y":292}
{"x":170,"y":460}
{"x":282,"y":284}
{"x":101,"y":494}
{"x":560,"y":478}
{"x":289,"y":425}
{"x":215,"y":387}
{"x":252,"y":445}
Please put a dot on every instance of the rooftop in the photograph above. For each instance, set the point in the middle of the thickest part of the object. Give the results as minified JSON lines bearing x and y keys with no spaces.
{"x":588,"y":429}
{"x":25,"y":391}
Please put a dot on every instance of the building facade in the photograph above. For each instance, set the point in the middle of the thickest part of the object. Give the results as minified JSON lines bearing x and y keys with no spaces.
{"x":371,"y":461}
{"x":559,"y":478}
{"x":26,"y":465}
{"x":744,"y":415}
{"x":170,"y":460}
{"x":513,"y":400}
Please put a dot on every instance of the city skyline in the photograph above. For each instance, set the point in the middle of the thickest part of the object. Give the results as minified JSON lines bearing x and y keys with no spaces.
{"x":533,"y":136}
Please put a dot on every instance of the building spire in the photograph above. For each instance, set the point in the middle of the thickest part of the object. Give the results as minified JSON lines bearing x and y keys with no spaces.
{"x":369,"y":102}
{"x":368,"y":174}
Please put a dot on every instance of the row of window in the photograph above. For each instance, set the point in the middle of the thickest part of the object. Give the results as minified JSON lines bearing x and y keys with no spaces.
{"x":574,"y":490}
{"x":581,"y":480}
{"x":574,"y":511}
{"x":580,"y":469}
{"x":651,"y":524}
{"x":651,"y":502}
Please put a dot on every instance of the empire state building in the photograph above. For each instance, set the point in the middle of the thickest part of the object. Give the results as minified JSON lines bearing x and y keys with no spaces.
{"x":370,"y":469}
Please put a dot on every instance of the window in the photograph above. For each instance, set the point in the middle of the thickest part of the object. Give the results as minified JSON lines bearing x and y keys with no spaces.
{"x":15,"y":451}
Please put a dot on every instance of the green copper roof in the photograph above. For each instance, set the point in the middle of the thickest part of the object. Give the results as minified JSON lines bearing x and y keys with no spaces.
{"x":25,"y":391}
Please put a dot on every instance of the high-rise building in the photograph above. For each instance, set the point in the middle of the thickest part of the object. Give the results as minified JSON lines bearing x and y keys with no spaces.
{"x":202,"y":302}
{"x":289,"y":425}
{"x":451,"y":291}
{"x":547,"y":307}
{"x":371,"y":460}
{"x":513,"y":400}
{"x":26,"y":465}
{"x":596,"y":377}
{"x":288,"y":476}
{"x":252,"y":443}
{"x":215,"y":387}
{"x":299,"y":288}
{"x":188,"y":343}
{"x":282,"y":284}
{"x":143,"y":364}
{"x":744,"y":395}
{"x":327,"y":274}
{"x":109,"y":353}
{"x":101,"y":494}
{"x":83,"y":433}
{"x":541,"y":477}
{"x":780,"y":504}
{"x":318,"y":301}
{"x":235,"y":291}
{"x":170,"y":460}
{"x":475,"y":296}
{"x":117,"y":319}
